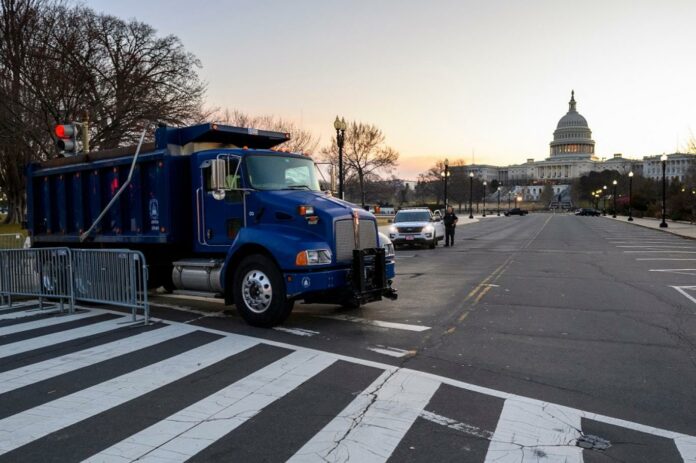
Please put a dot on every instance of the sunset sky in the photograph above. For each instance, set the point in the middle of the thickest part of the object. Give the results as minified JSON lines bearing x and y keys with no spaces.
{"x":448,"y":78}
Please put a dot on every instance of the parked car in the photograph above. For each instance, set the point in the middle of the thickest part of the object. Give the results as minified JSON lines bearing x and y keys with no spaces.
{"x":588,"y":211}
{"x":417,"y":226}
{"x":516,"y":211}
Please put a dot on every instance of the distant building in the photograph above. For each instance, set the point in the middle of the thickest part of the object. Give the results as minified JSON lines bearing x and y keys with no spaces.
{"x":572,"y":155}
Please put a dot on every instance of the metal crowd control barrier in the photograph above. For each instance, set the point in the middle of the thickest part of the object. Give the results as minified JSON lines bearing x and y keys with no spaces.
{"x":112,"y":276}
{"x":115,"y":277}
{"x":11,"y":241}
{"x":44,"y":273}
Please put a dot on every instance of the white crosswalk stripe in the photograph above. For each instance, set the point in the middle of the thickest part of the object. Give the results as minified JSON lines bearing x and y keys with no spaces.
{"x":193,"y":429}
{"x":369,"y":429}
{"x":32,"y":325}
{"x":61,"y":336}
{"x":526,"y":428}
{"x":29,"y":312}
{"x":40,"y":371}
{"x":53,"y":416}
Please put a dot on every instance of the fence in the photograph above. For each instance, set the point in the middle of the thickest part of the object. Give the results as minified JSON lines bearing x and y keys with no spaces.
{"x":114,"y":277}
{"x":43,"y":273}
{"x":11,"y":241}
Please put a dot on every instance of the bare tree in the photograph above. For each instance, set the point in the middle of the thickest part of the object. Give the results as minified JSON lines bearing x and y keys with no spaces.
{"x":58,"y":64}
{"x":365,"y":154}
{"x":301,"y":140}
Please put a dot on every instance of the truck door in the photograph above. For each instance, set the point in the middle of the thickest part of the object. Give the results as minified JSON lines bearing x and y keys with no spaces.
{"x":219,"y":219}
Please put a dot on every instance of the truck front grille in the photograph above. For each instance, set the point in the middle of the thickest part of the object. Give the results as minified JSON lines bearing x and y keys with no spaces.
{"x":345,"y":243}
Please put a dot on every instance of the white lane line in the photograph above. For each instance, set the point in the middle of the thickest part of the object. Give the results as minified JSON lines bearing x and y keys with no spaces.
{"x":456,"y":425}
{"x":527,"y":431}
{"x":656,"y":246}
{"x":662,"y":258}
{"x":687,"y":448}
{"x":30,"y":374}
{"x":381,"y":324}
{"x":191,"y":430}
{"x":683,"y":290}
{"x":43,"y":323}
{"x":680,"y":271}
{"x":663,"y":251}
{"x":390,"y":351}
{"x":296,"y":331}
{"x":30,"y":312}
{"x":369,"y":428}
{"x":40,"y":421}
{"x":62,"y":336}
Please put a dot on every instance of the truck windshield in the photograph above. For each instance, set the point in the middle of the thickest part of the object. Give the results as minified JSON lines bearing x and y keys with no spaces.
{"x":275,"y":172}
{"x":415,"y":216}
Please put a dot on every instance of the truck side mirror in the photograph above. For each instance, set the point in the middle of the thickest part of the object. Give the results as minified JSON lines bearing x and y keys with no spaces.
{"x":218,"y":175}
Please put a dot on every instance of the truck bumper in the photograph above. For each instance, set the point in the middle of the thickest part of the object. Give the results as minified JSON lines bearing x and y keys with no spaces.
{"x":339,"y":285}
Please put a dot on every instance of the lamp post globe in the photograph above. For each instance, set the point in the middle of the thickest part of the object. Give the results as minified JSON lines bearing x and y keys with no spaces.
{"x":630,"y":196}
{"x":471,"y":195}
{"x":663,"y":159}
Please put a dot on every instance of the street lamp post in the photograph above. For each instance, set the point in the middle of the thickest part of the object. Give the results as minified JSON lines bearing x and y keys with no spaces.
{"x":663,"y":158}
{"x":471,"y":195}
{"x":630,"y":196}
{"x":604,"y":198}
{"x":444,"y":175}
{"x":509,"y":195}
{"x":515,"y":201}
{"x":340,"y":126}
{"x":498,"y":201}
{"x":614,"y":199}
{"x":484,"y":198}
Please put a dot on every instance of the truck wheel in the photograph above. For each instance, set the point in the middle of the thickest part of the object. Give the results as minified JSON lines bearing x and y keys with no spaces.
{"x":433,"y":243}
{"x":259,"y":292}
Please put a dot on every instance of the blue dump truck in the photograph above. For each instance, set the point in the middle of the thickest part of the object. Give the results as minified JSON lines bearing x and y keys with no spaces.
{"x":217,"y":211}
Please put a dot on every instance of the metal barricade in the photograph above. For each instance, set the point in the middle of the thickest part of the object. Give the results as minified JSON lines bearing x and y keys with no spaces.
{"x":112,"y":276}
{"x":11,"y":241}
{"x":44,"y":273}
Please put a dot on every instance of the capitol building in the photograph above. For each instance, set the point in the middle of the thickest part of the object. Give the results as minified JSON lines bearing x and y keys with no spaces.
{"x":572,"y":155}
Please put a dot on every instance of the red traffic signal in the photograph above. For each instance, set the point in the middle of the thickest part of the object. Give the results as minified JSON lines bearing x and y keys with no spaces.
{"x":67,"y":138}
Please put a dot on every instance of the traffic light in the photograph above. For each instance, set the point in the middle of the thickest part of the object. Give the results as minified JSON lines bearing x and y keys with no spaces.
{"x":68,"y":135}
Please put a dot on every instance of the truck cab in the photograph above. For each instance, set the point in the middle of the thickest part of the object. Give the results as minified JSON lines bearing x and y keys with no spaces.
{"x":216,"y":210}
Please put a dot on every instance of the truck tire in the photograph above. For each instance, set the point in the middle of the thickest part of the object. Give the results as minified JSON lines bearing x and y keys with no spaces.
{"x":259,"y":292}
{"x":433,"y":243}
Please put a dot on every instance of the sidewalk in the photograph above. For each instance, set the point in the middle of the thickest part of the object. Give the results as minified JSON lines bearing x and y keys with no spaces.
{"x":683,"y":229}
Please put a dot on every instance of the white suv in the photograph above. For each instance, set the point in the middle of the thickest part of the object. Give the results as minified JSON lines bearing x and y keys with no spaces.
{"x":417,"y":226}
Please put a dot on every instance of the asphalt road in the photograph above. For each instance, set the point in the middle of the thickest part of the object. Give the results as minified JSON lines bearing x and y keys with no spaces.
{"x":549,"y":328}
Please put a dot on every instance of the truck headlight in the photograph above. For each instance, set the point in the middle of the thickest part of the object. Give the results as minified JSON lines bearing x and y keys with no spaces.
{"x":313,"y":257}
{"x":389,"y":249}
{"x":428,"y":229}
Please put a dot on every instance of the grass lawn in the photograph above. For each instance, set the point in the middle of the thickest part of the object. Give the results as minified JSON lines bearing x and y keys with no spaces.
{"x":11,"y":228}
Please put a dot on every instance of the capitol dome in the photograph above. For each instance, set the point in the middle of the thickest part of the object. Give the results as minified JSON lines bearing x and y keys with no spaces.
{"x":572,"y":137}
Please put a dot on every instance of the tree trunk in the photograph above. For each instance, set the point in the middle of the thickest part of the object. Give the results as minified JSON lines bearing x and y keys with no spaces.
{"x":361,"y":180}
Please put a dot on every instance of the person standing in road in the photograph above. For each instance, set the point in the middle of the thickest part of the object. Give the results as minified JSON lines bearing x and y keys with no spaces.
{"x":450,"y":220}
